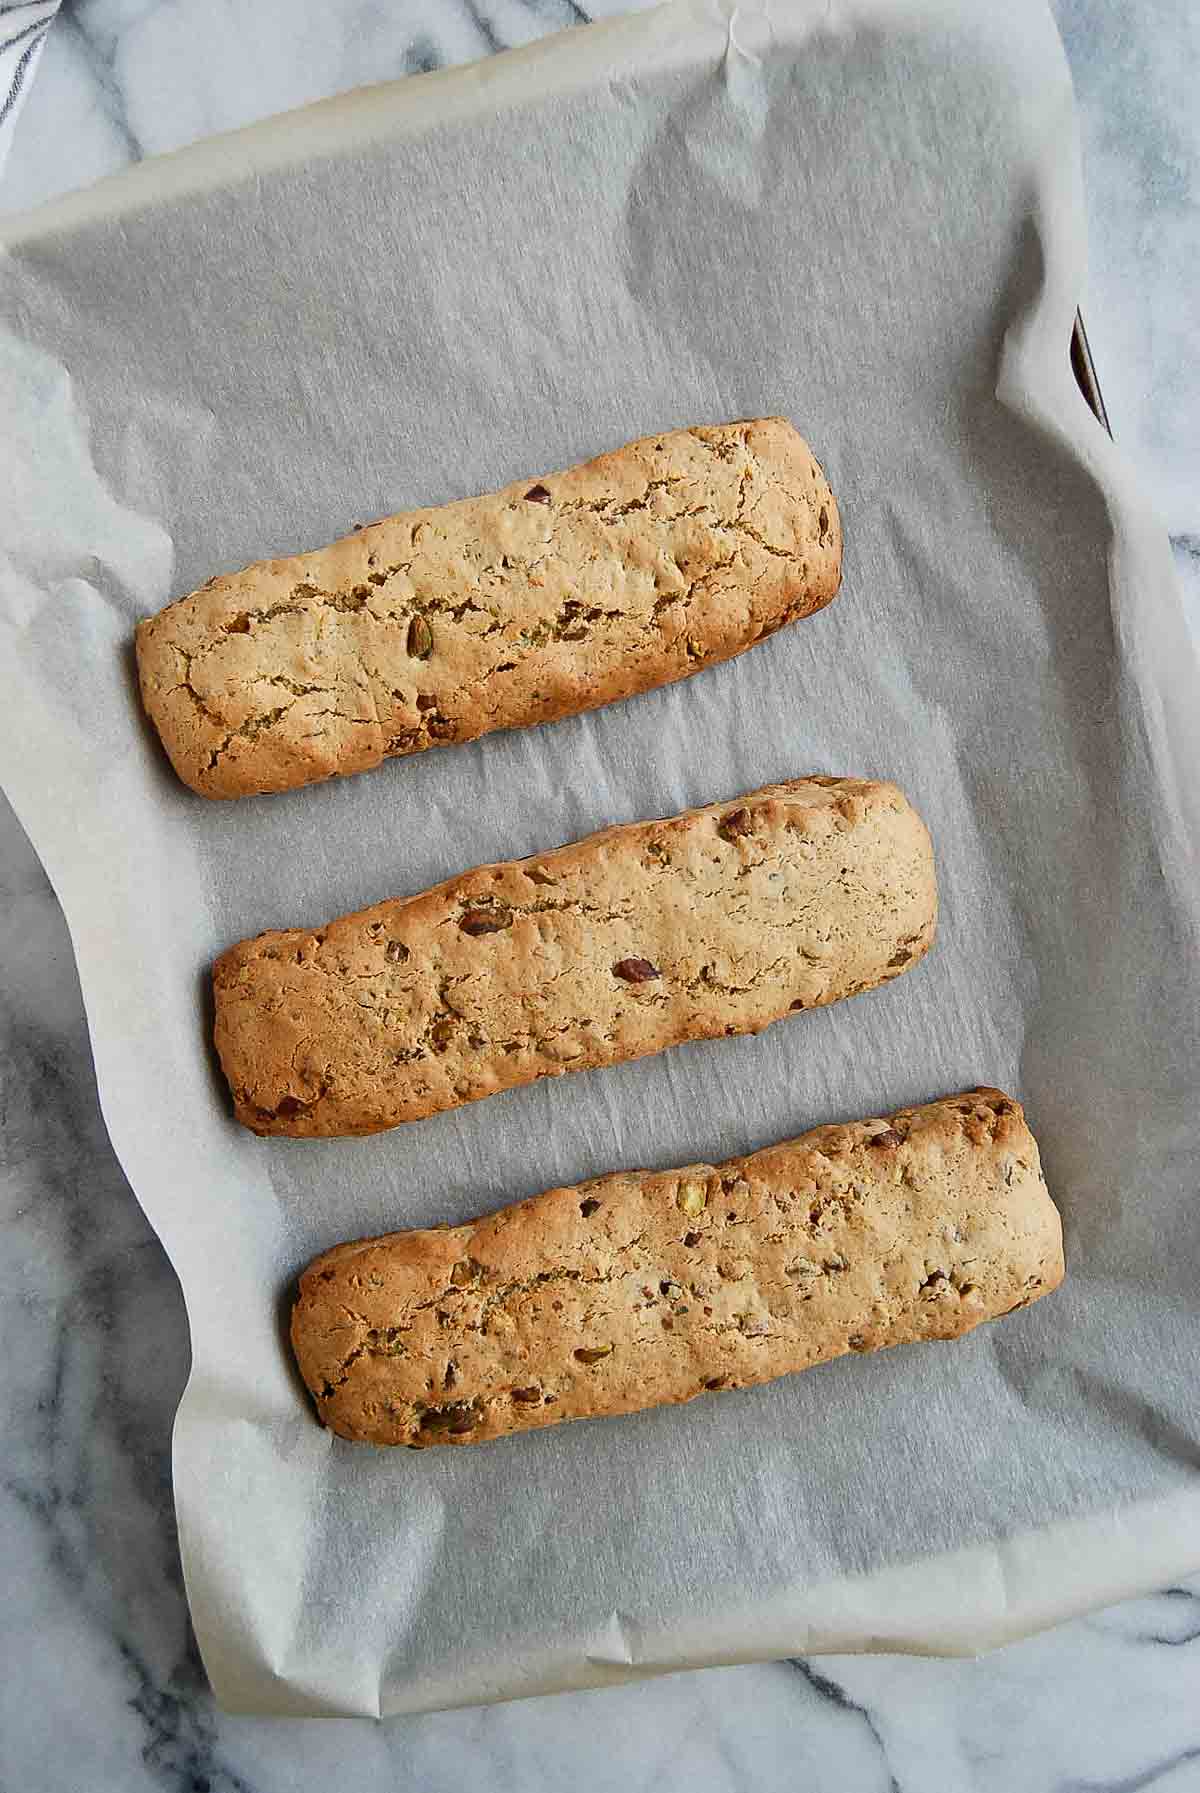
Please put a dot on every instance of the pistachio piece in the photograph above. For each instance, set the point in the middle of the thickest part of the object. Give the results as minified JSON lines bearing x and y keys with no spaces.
{"x":692,"y":1198}
{"x":636,"y":971}
{"x":463,"y":1416}
{"x":592,"y":1353}
{"x":420,"y":639}
{"x":485,"y":921}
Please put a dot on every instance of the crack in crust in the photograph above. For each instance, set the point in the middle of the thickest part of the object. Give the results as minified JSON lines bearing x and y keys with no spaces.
{"x":436,"y":626}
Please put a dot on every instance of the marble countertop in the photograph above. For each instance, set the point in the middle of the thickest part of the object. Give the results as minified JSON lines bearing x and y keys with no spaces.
{"x":102,"y":1687}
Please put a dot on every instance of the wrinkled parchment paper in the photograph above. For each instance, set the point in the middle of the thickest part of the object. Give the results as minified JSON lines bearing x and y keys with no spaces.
{"x":866,"y":216}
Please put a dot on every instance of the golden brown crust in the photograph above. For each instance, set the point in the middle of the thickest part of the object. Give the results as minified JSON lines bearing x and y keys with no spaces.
{"x":717,"y":921}
{"x":555,"y":595}
{"x":644,"y":1288}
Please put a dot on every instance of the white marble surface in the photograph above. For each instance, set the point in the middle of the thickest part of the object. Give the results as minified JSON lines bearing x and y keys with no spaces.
{"x":102,"y":1688}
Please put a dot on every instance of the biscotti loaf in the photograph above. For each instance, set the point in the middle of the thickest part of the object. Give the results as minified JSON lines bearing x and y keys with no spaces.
{"x":557,"y":594}
{"x":650,"y":1287}
{"x":717,"y":921}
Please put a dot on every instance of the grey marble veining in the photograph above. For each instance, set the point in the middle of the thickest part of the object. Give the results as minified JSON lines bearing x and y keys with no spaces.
{"x":102,"y":1686}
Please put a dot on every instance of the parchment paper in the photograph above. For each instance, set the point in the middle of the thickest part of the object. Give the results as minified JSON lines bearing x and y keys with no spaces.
{"x":865,"y":216}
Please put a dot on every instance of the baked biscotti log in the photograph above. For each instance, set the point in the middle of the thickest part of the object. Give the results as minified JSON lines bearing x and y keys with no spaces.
{"x":717,"y":921}
{"x":650,"y":1287}
{"x":555,"y":595}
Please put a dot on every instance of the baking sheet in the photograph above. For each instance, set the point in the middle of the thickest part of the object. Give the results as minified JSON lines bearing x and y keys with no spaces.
{"x":865,"y":216}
